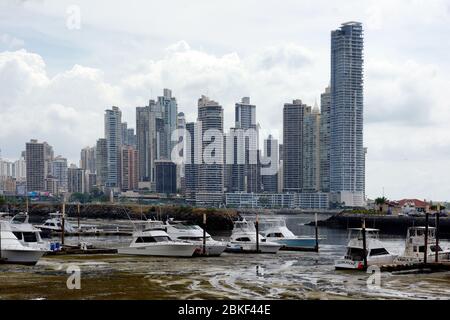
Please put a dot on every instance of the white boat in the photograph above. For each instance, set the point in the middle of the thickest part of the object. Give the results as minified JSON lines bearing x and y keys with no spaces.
{"x":275,"y":229}
{"x":376,"y":252}
{"x":194,"y":234}
{"x":415,"y":246}
{"x":20,"y":242}
{"x":54,"y":225}
{"x":151,"y":239}
{"x":243,"y":239}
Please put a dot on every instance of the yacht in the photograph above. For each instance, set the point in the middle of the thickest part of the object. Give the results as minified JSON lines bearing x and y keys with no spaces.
{"x":151,"y":239}
{"x":54,"y":225}
{"x":376,"y":252}
{"x":182,"y":231}
{"x":20,"y":242}
{"x":415,"y":246}
{"x":275,"y":230}
{"x":243,"y":239}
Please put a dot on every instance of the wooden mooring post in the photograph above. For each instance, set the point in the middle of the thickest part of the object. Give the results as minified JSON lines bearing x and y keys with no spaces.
{"x":257,"y":233}
{"x":365,"y":253}
{"x":317,"y":233}
{"x":436,"y":250}
{"x":425,"y":251}
{"x":204,"y":234}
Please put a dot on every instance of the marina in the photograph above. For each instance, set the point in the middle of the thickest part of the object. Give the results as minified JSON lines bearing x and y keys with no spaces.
{"x":284,"y":275}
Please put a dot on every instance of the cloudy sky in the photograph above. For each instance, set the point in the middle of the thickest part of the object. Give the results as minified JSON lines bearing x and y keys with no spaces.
{"x":56,"y":79}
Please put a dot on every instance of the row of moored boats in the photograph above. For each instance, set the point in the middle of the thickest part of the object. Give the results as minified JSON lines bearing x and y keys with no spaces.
{"x":21,"y":242}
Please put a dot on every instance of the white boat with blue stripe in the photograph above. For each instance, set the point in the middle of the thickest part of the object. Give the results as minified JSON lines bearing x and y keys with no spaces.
{"x":275,"y":230}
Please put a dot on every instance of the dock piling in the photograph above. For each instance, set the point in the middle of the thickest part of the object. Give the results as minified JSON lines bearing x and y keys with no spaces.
{"x":425,"y":251}
{"x":63,"y":222}
{"x":204,"y":234}
{"x":364,"y":243}
{"x":257,"y":233}
{"x":436,"y":250}
{"x":317,"y":233}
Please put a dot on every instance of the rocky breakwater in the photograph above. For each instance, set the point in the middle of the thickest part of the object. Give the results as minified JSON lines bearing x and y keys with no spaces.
{"x":390,"y":224}
{"x":217,"y":219}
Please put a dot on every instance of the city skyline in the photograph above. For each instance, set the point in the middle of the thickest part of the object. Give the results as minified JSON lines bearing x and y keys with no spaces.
{"x":401,"y":144}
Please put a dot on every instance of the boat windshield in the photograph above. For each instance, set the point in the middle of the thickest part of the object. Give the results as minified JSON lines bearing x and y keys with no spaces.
{"x":26,"y":236}
{"x":152,"y":239}
{"x":244,"y":226}
{"x":275,"y":235}
{"x":355,"y":254}
{"x":272,"y":223}
{"x":193,"y":238}
{"x":181,"y":226}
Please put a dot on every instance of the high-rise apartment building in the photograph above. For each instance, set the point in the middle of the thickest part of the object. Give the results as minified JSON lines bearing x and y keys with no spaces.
{"x":113,"y":136}
{"x":76,"y":180}
{"x":269,"y":180}
{"x":346,"y":115}
{"x":87,"y":159}
{"x":325,"y":105}
{"x":129,"y":168}
{"x":36,"y":171}
{"x":101,"y":161}
{"x":166,"y":180}
{"x":293,"y":121}
{"x":210,"y":174}
{"x":311,"y":150}
{"x":242,"y":154}
{"x":59,"y":172}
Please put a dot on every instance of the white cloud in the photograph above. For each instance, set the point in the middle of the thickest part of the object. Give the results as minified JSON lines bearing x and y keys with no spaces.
{"x":9,"y":42}
{"x":271,"y":51}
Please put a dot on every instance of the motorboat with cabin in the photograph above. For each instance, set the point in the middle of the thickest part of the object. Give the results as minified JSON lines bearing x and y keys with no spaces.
{"x":183,"y":231}
{"x":275,"y":230}
{"x":151,"y":239}
{"x":20,"y":242}
{"x":54,"y":225}
{"x":415,"y":246}
{"x":376,"y":252}
{"x":243,"y":239}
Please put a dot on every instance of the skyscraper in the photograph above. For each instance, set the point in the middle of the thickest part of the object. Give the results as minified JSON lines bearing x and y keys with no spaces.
{"x":210,"y":175}
{"x":165,"y":178}
{"x":293,"y":118}
{"x":36,"y":172}
{"x":101,"y":162}
{"x":113,"y":136}
{"x":59,"y":171}
{"x":325,"y":105}
{"x":270,"y":181}
{"x":87,"y":159}
{"x":76,"y":180}
{"x":168,"y":106}
{"x":191,"y":157}
{"x":129,"y":166}
{"x":243,"y":162}
{"x":181,"y":127}
{"x":346,"y":115}
{"x":150,"y":139}
{"x":311,"y":150}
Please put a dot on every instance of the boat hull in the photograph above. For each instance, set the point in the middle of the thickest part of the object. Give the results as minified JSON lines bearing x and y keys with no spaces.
{"x":296,"y":242}
{"x":23,"y":257}
{"x":347,"y":264}
{"x":212,"y":250}
{"x":251,"y":248}
{"x":161,"y":250}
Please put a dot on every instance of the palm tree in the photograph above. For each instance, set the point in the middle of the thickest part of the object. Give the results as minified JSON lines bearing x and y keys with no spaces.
{"x":380,"y":201}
